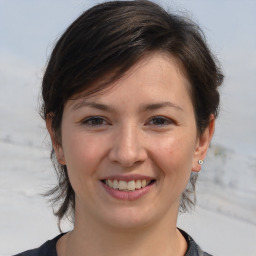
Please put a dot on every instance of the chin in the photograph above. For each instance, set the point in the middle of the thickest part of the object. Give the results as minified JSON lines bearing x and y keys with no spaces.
{"x":128,"y":219}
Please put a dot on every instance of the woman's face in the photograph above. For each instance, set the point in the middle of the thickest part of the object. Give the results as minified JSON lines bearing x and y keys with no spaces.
{"x":130,"y":151}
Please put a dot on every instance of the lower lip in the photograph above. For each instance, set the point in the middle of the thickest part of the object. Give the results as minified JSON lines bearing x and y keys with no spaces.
{"x":127,"y":195}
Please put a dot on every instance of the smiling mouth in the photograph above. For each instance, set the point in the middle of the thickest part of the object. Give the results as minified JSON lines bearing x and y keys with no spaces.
{"x":131,"y":185}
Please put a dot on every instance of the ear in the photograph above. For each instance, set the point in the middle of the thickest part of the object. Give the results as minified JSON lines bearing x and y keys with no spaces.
{"x":55,"y":143}
{"x":203,"y":144}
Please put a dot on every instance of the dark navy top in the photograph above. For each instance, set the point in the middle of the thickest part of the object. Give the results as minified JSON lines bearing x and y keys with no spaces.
{"x":49,"y":248}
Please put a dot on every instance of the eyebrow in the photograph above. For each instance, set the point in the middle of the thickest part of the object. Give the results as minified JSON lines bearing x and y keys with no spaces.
{"x":156,"y":106}
{"x":93,"y":105}
{"x":107,"y":108}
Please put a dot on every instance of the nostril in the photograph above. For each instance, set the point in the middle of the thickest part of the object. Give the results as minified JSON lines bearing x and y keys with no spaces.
{"x":127,"y":151}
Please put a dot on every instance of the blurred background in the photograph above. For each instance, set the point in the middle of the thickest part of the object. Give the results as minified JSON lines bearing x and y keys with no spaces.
{"x":224,"y":220}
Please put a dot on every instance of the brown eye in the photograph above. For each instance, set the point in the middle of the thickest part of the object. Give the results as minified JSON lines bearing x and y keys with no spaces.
{"x":95,"y":121}
{"x":160,"y":121}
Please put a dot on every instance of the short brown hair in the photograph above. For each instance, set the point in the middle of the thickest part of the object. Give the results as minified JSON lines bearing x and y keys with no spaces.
{"x":109,"y":39}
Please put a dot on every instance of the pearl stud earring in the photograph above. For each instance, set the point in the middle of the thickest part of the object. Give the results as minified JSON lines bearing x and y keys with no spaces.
{"x":200,"y":161}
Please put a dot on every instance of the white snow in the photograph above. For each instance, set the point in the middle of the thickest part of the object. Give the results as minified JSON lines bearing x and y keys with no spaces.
{"x":224,"y":221}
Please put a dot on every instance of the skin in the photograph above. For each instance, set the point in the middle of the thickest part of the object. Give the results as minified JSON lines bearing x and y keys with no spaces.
{"x":147,"y":127}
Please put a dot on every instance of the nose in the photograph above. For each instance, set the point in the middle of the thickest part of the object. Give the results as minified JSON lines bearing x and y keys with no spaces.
{"x":127,"y":146}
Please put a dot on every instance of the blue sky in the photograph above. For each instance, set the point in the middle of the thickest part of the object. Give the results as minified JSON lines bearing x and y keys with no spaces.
{"x":28,"y":30}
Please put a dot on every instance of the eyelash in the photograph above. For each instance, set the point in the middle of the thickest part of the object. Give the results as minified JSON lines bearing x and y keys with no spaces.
{"x":164,"y":121}
{"x":91,"y":121}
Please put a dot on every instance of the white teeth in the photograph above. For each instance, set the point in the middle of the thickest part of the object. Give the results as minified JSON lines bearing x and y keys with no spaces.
{"x":122,"y":185}
{"x":138,"y":184}
{"x":130,"y":185}
{"x":115,"y":184}
{"x":110,"y":183}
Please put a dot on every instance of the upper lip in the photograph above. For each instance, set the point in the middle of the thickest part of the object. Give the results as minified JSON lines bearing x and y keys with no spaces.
{"x":128,"y":177}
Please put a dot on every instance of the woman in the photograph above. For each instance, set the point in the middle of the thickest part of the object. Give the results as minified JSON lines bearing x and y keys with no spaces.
{"x":130,"y":100}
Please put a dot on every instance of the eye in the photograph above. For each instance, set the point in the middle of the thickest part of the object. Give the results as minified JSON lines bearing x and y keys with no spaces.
{"x":160,"y":121}
{"x":95,"y":121}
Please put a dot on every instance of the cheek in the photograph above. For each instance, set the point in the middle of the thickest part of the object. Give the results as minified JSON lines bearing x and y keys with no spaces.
{"x":82,"y":156}
{"x":175,"y":162}
{"x":174,"y":157}
{"x":82,"y":153}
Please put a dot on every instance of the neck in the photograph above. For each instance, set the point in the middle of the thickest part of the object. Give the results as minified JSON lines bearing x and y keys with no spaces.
{"x":92,"y":238}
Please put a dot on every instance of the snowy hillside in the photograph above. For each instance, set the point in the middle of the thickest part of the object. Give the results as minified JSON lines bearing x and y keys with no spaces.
{"x":227,"y":184}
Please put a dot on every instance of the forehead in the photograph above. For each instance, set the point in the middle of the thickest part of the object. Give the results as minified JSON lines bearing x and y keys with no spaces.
{"x":154,"y":75}
{"x":155,"y":61}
